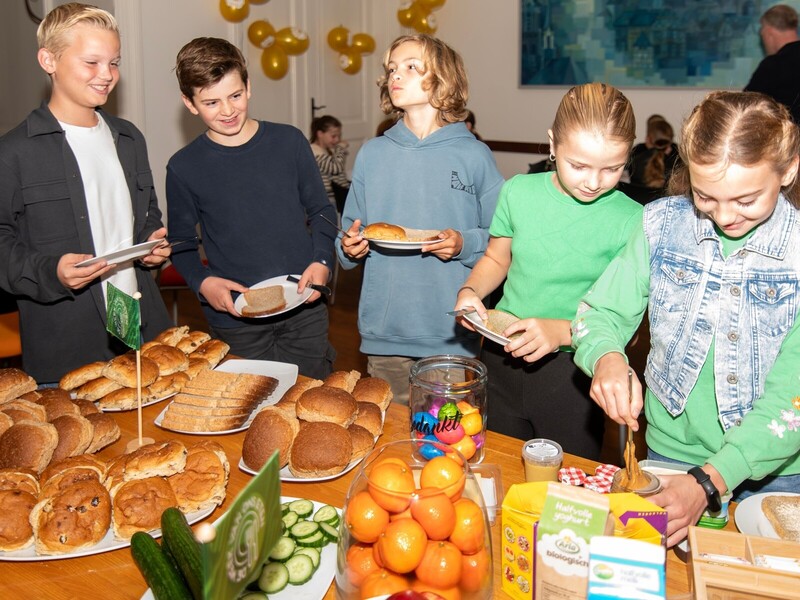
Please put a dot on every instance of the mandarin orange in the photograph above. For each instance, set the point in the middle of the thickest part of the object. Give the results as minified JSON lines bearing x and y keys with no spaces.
{"x":444,"y":473}
{"x":402,"y":545}
{"x":360,"y":563}
{"x":382,"y":583}
{"x":364,"y":518}
{"x":441,"y":565}
{"x":433,"y":509}
{"x":391,"y":485}
{"x":470,"y":530}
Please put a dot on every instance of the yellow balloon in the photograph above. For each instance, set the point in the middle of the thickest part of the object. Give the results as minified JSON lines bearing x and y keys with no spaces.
{"x":426,"y":24}
{"x":429,"y":4}
{"x":337,"y":38}
{"x":409,"y":12}
{"x":261,"y":33}
{"x":274,"y":62}
{"x":350,"y":62}
{"x":293,"y":41}
{"x":234,"y":11}
{"x":364,"y":43}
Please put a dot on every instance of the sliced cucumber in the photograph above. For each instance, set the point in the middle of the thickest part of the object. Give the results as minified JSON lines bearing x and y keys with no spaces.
{"x":284,"y":508}
{"x":329,"y":532}
{"x":274,"y":577}
{"x":303,"y":508}
{"x":290,"y":519}
{"x":312,"y":553}
{"x":283,"y":550}
{"x":327,"y":514}
{"x":301,"y":569}
{"x":254,"y":596}
{"x":303,"y":529}
{"x":316,"y":540}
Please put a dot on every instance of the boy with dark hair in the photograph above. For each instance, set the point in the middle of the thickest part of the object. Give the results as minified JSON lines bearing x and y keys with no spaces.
{"x":255,"y":190}
{"x":75,"y":182}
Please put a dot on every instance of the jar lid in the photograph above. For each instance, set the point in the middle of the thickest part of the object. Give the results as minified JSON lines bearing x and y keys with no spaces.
{"x":542,"y":450}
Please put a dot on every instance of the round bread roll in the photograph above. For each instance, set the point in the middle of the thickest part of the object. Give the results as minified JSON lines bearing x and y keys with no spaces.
{"x":384,"y":231}
{"x":77,"y":517}
{"x":74,"y":436}
{"x":15,"y":382}
{"x":362,"y":441}
{"x":86,"y":407}
{"x":56,"y":405}
{"x":60,"y":482}
{"x":77,"y":377}
{"x":97,"y":388}
{"x":20,"y":410}
{"x":345,"y":380}
{"x":166,"y":385}
{"x":125,"y":398}
{"x":16,"y":532}
{"x":157,"y":459}
{"x":196,"y":365}
{"x":138,"y":504}
{"x":374,"y":390}
{"x":327,"y":404}
{"x":193,"y":341}
{"x":115,"y":473}
{"x":122,"y":369}
{"x":106,"y":431}
{"x":212,"y":350}
{"x":172,"y":335}
{"x":370,"y":418}
{"x":28,"y":444}
{"x":87,"y":462}
{"x":24,"y":480}
{"x":34,"y":395}
{"x":5,"y":422}
{"x":272,"y":429}
{"x":168,"y":358}
{"x":293,"y":393}
{"x":320,"y":449}
{"x":202,"y":483}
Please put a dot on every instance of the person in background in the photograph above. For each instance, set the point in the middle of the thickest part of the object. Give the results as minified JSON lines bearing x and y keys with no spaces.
{"x":552,"y":236}
{"x":652,"y":166}
{"x":387,"y":123}
{"x":331,"y":153}
{"x":426,"y":172}
{"x":255,"y":190}
{"x":75,"y":183}
{"x":470,"y":123}
{"x":776,"y":75}
{"x":716,"y":268}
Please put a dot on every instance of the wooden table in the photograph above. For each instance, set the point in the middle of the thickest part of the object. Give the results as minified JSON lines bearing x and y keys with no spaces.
{"x":114,"y":575}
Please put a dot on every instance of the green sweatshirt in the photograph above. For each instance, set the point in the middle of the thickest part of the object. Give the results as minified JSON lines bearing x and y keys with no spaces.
{"x":767,"y":435}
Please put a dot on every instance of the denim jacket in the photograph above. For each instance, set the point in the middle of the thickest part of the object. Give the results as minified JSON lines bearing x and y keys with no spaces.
{"x":745,"y":303}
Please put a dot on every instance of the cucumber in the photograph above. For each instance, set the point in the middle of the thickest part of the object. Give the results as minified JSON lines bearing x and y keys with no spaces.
{"x":303,"y":508}
{"x":283,"y":550}
{"x":289,"y":519}
{"x":164,"y":580}
{"x":300,"y":568}
{"x":303,"y":529}
{"x":312,"y":553}
{"x":329,"y":532}
{"x":178,"y":536}
{"x":327,"y":514}
{"x":316,"y":540}
{"x":274,"y":577}
{"x":284,"y":508}
{"x":253,"y":596}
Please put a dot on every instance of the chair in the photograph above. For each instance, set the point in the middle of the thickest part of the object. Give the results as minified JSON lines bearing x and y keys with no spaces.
{"x":170,"y":280}
{"x":10,"y":345}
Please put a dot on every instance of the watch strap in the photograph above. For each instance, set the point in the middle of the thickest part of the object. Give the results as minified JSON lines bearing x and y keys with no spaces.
{"x":712,"y":493}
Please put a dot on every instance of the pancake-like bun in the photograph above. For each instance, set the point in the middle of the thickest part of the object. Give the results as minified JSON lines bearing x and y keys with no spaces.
{"x":16,"y":532}
{"x":370,"y":418}
{"x":77,"y":517}
{"x":24,"y":480}
{"x":374,"y":390}
{"x":202,"y":482}
{"x":138,"y":504}
{"x":213,"y":351}
{"x":193,"y":341}
{"x":361,"y":439}
{"x":173,"y":335}
{"x":77,"y":377}
{"x":157,"y":459}
{"x":311,"y":458}
{"x":345,"y":380}
{"x":106,"y":431}
{"x":271,"y":430}
{"x":28,"y":444}
{"x":74,"y":436}
{"x":168,"y":358}
{"x":327,"y":404}
{"x":384,"y":231}
{"x":122,"y":369}
{"x":96,"y":388}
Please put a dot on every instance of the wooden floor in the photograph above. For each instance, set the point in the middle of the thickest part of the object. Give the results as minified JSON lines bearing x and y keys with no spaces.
{"x":344,"y":336}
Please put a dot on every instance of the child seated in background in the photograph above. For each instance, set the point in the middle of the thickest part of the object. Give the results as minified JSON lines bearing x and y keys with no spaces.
{"x":652,"y":163}
{"x":331,"y":153}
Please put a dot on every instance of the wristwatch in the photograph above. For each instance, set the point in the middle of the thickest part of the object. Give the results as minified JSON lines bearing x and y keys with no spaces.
{"x":712,"y":493}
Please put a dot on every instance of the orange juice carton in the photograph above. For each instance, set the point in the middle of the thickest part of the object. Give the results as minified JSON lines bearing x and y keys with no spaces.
{"x":625,"y":568}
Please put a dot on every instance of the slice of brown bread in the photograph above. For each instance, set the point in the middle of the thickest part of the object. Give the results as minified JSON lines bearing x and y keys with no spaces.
{"x":263,"y":301}
{"x":783,"y":513}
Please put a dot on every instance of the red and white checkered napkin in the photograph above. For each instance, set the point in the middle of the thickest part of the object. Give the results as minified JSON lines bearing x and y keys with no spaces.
{"x":571,"y":476}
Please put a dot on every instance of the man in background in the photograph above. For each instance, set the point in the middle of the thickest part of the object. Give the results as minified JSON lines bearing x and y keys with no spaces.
{"x":777,"y":74}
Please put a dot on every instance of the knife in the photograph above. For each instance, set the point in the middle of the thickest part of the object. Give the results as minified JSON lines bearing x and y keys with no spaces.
{"x":322,"y":289}
{"x":460,"y":313}
{"x":335,"y":225}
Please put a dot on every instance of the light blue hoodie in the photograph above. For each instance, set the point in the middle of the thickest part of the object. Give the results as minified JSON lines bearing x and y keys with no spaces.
{"x":447,"y":180}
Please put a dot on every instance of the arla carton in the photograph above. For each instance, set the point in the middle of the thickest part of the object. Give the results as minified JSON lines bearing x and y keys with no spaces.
{"x":570,"y":518}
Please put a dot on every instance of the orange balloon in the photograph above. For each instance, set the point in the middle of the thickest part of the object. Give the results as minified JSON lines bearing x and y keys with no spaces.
{"x":274,"y":62}
{"x":337,"y":38}
{"x":293,"y":41}
{"x":350,"y":62}
{"x":234,"y":11}
{"x":409,"y":13}
{"x":261,"y":33}
{"x":364,"y":43}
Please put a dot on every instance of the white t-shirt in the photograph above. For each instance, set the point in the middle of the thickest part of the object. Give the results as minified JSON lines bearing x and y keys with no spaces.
{"x":107,"y":196}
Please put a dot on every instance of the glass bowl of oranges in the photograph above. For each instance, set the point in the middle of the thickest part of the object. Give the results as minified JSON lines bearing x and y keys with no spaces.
{"x":411,"y":524}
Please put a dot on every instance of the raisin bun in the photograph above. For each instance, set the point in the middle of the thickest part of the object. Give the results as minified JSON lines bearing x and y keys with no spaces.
{"x":326,"y":403}
{"x":138,"y":504}
{"x":24,"y":480}
{"x":320,"y":450}
{"x":202,"y":483}
{"x":271,"y":430}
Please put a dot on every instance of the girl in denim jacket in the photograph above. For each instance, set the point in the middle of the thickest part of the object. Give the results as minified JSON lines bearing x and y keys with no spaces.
{"x":717,"y":267}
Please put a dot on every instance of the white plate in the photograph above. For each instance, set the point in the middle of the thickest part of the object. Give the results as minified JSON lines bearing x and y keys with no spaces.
{"x":293,"y":299}
{"x":144,"y":404}
{"x":411,"y":243}
{"x":750,"y":519}
{"x":473,"y":318}
{"x":107,"y":544}
{"x":285,"y":373}
{"x":124,"y":255}
{"x":317,"y":586}
{"x":286,"y":474}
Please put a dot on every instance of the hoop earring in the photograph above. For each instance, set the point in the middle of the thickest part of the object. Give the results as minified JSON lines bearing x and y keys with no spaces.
{"x":552,"y":157}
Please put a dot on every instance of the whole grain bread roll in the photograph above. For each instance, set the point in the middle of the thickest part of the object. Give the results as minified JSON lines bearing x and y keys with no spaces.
{"x":362,"y":441}
{"x":370,"y":417}
{"x":168,"y":358}
{"x":28,"y":444}
{"x":77,"y":377}
{"x":374,"y":390}
{"x":74,"y":435}
{"x":320,"y":450}
{"x":294,"y":392}
{"x":19,"y":410}
{"x":86,"y":407}
{"x":106,"y":431}
{"x":384,"y":231}
{"x":345,"y":380}
{"x":271,"y":430}
{"x":13,"y":383}
{"x":122,"y":369}
{"x":329,"y":404}
{"x":138,"y":504}
{"x":16,"y":532}
{"x":56,"y":405}
{"x":96,"y":388}
{"x":5,"y":422}
{"x":202,"y":483}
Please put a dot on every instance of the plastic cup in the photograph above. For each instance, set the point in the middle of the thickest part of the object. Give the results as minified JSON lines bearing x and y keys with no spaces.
{"x":542,"y":459}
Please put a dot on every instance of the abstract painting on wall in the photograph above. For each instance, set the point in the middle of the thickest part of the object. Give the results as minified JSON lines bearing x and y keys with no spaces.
{"x":641,"y":43}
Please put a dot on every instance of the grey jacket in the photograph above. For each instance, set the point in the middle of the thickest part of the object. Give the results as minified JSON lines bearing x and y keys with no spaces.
{"x":43,"y":215}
